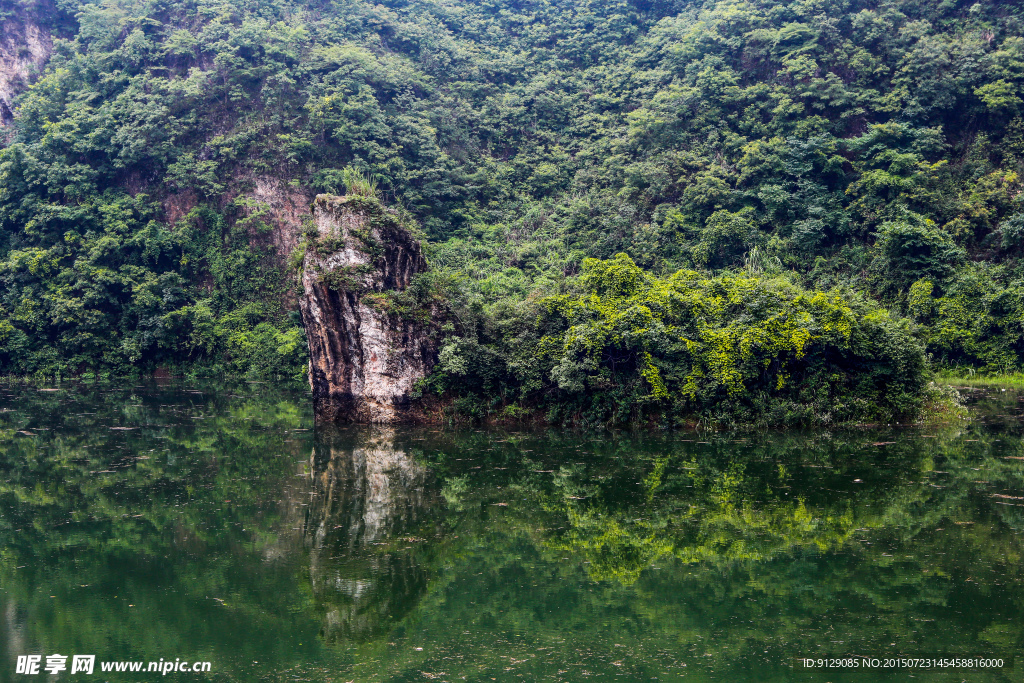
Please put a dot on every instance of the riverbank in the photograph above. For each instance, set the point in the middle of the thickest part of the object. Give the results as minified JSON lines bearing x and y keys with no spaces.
{"x":1007,"y":381}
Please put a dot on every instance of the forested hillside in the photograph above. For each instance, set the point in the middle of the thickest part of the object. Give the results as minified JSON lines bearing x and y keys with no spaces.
{"x":835,"y":184}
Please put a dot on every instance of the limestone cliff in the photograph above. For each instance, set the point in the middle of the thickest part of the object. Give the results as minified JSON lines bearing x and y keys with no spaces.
{"x":366,"y":349}
{"x":25,"y":46}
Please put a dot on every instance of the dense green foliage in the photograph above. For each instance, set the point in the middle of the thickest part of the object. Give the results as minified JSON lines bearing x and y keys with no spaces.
{"x":871,"y":146}
{"x":628,"y":346}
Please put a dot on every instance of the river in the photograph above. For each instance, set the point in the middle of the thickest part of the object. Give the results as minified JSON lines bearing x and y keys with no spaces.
{"x":207,"y":523}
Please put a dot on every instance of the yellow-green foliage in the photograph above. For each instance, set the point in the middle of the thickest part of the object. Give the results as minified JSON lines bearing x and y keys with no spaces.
{"x":730,"y":347}
{"x":359,"y":182}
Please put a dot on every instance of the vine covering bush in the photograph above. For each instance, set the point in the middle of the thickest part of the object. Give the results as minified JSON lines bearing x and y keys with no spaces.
{"x":628,"y":346}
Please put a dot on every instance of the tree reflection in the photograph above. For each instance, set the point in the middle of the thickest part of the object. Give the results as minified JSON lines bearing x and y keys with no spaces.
{"x":134,"y":524}
{"x":370,"y":505}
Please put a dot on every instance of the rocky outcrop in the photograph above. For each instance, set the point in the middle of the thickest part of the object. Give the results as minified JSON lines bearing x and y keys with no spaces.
{"x":286,"y":207}
{"x":367,"y":345}
{"x":24,"y":48}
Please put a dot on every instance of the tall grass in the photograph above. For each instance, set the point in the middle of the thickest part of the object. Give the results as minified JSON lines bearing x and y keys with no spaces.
{"x":358,"y":182}
{"x":969,"y":379}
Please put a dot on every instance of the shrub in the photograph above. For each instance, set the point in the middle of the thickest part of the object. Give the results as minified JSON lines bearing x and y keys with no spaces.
{"x":627,"y":346}
{"x":913,"y":248}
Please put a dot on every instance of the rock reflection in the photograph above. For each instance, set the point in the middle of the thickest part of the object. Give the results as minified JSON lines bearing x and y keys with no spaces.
{"x":367,"y":520}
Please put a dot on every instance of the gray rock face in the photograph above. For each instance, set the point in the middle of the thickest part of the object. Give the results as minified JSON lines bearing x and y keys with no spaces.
{"x":24,"y":48}
{"x":365,"y":350}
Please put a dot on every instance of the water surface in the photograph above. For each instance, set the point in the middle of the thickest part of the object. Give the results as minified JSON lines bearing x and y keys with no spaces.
{"x":205,"y":523}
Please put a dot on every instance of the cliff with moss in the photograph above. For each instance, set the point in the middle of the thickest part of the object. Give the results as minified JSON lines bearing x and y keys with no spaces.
{"x":365,"y":355}
{"x":25,"y":45}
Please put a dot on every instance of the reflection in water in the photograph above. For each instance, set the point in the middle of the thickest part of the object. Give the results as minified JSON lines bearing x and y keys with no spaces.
{"x":139,"y":523}
{"x":370,"y":500}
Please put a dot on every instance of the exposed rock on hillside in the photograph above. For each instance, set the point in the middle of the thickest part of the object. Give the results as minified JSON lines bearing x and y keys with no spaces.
{"x":366,"y":349}
{"x":24,"y":48}
{"x":286,"y":206}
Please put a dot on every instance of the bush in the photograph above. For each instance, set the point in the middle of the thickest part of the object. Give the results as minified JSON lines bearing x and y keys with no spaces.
{"x":913,"y":248}
{"x":977,"y":322}
{"x":627,"y":346}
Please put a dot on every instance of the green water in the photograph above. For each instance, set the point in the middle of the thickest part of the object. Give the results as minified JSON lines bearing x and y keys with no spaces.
{"x":215,"y":524}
